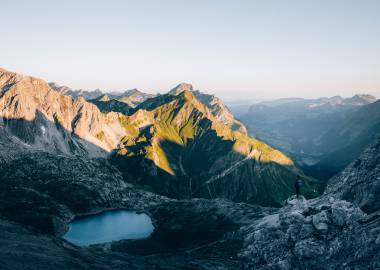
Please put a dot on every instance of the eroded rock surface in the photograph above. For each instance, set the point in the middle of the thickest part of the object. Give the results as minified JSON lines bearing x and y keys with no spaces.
{"x":339,"y":230}
{"x":359,"y":183}
{"x":310,"y":234}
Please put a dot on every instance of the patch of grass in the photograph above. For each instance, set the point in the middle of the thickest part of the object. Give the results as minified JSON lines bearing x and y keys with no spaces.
{"x":100,"y":136}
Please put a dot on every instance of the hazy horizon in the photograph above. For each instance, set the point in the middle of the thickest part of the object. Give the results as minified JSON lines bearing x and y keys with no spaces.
{"x":235,"y":50}
{"x":248,"y":98}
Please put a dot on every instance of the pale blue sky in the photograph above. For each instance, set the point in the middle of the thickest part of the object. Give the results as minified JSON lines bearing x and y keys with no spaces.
{"x":235,"y":49}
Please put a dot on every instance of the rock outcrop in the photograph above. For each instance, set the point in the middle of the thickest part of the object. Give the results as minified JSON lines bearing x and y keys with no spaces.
{"x":331,"y":230}
{"x":327,"y":233}
{"x":359,"y":183}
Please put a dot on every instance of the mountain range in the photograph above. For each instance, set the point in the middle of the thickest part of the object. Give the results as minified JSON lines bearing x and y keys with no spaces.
{"x":314,"y":132}
{"x":65,"y":90}
{"x":174,"y":144}
{"x":218,"y":198}
{"x":178,"y":147}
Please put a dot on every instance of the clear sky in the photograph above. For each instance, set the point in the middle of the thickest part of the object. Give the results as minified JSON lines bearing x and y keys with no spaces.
{"x":235,"y":49}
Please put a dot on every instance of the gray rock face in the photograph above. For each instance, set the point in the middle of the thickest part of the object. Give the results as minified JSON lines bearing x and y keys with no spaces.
{"x":310,"y":234}
{"x":359,"y":183}
{"x":320,"y":222}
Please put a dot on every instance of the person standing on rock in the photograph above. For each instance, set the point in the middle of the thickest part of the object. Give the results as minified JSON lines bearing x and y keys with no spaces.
{"x":297,"y":185}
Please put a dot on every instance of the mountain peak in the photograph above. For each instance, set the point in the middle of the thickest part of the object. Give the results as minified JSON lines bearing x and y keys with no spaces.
{"x":132,"y":92}
{"x":364,"y":97}
{"x":360,"y":99}
{"x":187,"y":94}
{"x":103,"y":97}
{"x":180,"y":88}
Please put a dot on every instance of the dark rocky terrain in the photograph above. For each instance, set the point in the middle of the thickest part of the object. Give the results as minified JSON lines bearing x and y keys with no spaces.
{"x":339,"y":230}
{"x":41,"y":193}
{"x":360,"y":181}
{"x":193,"y":234}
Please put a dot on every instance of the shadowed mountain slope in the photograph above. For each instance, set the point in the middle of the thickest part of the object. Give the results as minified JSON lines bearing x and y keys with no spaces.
{"x":181,"y":150}
{"x":344,"y":142}
{"x":360,"y":181}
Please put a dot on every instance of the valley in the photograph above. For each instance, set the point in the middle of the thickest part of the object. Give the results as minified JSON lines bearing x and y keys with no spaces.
{"x":322,"y":136}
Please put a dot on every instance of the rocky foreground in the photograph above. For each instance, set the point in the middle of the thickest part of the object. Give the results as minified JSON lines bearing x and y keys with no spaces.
{"x":322,"y":233}
{"x":317,"y":234}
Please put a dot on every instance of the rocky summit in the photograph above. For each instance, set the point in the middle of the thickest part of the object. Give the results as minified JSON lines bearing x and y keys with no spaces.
{"x":218,"y":199}
{"x":216,"y":106}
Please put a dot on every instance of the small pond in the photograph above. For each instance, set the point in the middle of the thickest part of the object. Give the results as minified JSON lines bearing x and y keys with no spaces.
{"x":109,"y":226}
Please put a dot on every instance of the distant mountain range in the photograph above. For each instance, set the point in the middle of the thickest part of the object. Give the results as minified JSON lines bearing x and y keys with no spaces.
{"x":308,"y":129}
{"x":346,"y":140}
{"x":181,"y":144}
{"x":131,"y":97}
{"x":65,"y":90}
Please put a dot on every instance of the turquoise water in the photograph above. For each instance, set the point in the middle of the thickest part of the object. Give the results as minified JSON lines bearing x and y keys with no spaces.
{"x":109,"y":226}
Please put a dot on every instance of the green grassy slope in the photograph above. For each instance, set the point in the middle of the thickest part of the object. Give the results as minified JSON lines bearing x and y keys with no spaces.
{"x":176,"y":147}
